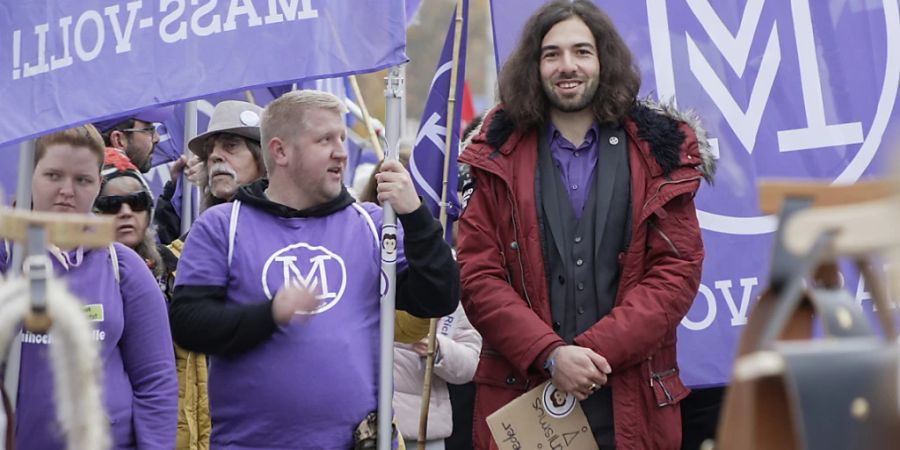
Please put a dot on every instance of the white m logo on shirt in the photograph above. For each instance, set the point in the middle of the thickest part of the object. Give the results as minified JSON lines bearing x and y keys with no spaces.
{"x":316,"y":278}
{"x":313,"y":267}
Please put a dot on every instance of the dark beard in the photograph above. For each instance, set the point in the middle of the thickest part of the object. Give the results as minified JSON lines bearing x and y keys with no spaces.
{"x":145,"y":165}
{"x":579,"y":104}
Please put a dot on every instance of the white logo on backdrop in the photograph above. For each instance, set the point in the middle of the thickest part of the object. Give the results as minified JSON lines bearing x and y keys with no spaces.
{"x":745,"y":121}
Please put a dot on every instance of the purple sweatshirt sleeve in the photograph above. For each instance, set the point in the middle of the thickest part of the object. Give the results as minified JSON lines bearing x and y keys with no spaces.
{"x":148,"y":355}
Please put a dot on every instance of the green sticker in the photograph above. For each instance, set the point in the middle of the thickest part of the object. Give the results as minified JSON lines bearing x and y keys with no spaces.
{"x":94,"y":312}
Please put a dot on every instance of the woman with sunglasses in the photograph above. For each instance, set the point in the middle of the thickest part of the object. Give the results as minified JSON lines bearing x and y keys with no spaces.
{"x":128,"y":310}
{"x":125,"y":195}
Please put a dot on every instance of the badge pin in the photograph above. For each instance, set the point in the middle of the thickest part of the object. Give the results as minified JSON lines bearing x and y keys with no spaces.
{"x":250,"y":118}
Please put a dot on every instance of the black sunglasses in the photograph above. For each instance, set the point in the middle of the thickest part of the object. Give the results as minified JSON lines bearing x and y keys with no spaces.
{"x":111,"y":204}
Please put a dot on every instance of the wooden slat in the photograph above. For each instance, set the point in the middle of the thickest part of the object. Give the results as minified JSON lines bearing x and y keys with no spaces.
{"x":862,"y":228}
{"x":63,"y":230}
{"x":773,"y":192}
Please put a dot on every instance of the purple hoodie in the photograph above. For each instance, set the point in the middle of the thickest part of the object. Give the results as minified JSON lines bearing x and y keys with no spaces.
{"x":140,"y":385}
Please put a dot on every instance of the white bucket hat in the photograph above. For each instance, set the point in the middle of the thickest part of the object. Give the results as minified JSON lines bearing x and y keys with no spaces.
{"x":230,"y":116}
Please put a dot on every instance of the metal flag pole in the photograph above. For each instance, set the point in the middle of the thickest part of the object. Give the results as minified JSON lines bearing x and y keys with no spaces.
{"x":403,"y":101}
{"x":448,"y":142}
{"x":393,"y":94}
{"x":13,"y":358}
{"x":187,"y":191}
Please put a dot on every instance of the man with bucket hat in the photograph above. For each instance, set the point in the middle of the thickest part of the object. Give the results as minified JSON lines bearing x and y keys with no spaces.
{"x":225,"y":157}
{"x":230,"y":150}
{"x":135,"y":135}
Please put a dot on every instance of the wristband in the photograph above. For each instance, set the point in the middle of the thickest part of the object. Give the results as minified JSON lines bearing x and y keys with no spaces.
{"x":550,"y":364}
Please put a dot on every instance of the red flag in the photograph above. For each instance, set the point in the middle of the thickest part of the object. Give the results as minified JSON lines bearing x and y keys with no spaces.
{"x":468,"y":108}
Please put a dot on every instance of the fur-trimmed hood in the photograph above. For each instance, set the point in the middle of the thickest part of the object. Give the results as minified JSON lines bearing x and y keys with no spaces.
{"x":657,"y":123}
{"x":650,"y":114}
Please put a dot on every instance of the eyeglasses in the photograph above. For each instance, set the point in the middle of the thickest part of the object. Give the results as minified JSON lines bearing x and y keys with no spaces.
{"x":151,"y":130}
{"x":112,"y":204}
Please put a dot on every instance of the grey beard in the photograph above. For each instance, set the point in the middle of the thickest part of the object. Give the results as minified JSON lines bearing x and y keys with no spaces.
{"x":221,"y":168}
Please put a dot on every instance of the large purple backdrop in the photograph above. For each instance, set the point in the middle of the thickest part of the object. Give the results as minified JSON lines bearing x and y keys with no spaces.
{"x":788,"y":89}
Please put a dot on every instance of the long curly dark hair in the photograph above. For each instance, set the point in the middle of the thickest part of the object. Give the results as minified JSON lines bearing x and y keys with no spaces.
{"x":521,"y":92}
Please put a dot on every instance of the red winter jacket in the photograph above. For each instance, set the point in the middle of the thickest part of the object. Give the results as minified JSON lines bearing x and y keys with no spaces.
{"x":504,"y":283}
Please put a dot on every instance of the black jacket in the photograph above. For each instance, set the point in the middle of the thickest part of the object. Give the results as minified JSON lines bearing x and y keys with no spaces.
{"x":166,"y":219}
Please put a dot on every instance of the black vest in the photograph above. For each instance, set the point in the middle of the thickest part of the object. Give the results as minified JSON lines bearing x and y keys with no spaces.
{"x":582,"y":256}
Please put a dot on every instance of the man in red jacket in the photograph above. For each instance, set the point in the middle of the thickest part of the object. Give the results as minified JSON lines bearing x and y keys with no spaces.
{"x":579,"y":246}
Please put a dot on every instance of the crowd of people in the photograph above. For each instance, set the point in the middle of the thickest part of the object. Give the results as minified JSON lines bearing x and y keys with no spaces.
{"x":578,"y":253}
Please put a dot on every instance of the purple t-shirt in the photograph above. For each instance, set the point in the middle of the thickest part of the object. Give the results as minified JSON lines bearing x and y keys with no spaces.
{"x":311,"y":384}
{"x":576,"y":165}
{"x":140,"y":385}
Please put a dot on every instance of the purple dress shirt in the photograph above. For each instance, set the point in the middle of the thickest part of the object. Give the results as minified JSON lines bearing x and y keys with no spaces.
{"x":576,"y":165}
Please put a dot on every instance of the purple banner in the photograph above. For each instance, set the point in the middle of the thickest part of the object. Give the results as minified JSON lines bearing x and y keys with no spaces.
{"x":65,"y":63}
{"x":412,"y":10}
{"x":793,"y":89}
{"x":426,"y":165}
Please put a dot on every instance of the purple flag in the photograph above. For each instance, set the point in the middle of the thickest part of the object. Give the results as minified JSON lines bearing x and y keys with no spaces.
{"x":427,"y":161}
{"x":65,"y":63}
{"x":412,"y":9}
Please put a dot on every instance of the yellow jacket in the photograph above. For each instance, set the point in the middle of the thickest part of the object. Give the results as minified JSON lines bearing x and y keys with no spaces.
{"x":194,"y":425}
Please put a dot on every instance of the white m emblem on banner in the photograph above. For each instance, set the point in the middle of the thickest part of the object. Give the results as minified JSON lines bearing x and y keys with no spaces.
{"x":808,"y":112}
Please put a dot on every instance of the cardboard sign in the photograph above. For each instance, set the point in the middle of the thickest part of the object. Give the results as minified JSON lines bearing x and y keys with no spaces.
{"x":542,"y":418}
